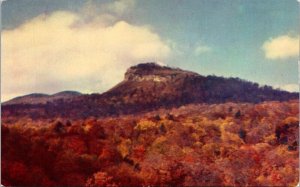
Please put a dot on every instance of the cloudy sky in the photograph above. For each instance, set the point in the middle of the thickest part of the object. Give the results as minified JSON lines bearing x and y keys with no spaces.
{"x":87,"y":45}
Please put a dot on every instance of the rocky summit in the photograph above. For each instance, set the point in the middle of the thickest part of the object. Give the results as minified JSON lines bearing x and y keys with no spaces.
{"x":154,"y":72}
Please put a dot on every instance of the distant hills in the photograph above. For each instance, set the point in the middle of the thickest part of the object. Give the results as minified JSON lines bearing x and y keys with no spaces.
{"x":145,"y":87}
{"x":39,"y":98}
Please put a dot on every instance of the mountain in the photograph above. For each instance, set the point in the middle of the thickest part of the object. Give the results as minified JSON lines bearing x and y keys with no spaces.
{"x":153,"y":84}
{"x":146,"y":87}
{"x":67,"y":94}
{"x":40,"y":98}
{"x":160,"y":85}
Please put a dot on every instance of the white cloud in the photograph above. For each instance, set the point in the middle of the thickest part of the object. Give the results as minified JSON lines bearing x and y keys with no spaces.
{"x":202,"y":49}
{"x":281,"y":47}
{"x":61,"y":51}
{"x":290,"y":87}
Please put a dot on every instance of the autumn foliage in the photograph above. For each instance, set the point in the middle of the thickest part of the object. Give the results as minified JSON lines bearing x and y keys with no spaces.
{"x":193,"y":145}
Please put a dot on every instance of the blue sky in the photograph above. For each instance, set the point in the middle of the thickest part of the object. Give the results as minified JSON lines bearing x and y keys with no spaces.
{"x":255,"y":40}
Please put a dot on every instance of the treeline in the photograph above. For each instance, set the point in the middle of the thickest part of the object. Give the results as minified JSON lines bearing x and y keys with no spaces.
{"x":220,"y":90}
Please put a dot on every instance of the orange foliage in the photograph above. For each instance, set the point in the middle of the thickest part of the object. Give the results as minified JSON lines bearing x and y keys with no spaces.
{"x":100,"y":179}
{"x":195,"y":145}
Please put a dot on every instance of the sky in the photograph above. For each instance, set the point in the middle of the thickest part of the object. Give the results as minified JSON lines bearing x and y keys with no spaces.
{"x":49,"y":46}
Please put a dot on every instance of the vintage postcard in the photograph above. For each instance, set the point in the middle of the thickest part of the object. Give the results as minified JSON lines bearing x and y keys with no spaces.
{"x":149,"y":93}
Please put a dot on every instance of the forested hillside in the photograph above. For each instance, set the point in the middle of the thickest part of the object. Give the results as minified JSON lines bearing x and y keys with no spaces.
{"x":226,"y":144}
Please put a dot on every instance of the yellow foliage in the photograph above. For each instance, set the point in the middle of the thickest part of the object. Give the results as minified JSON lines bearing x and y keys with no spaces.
{"x":204,"y":121}
{"x":261,"y":179}
{"x":270,"y":139}
{"x":145,"y":125}
{"x":87,"y":128}
{"x":210,"y":149}
{"x":188,"y":121}
{"x":195,"y":136}
{"x":231,"y":138}
{"x":291,"y":120}
{"x":159,"y":140}
{"x":198,"y":144}
{"x":187,"y":150}
{"x":124,"y":147}
{"x":261,"y":147}
{"x":287,"y":169}
{"x":282,"y":150}
{"x":160,"y":144}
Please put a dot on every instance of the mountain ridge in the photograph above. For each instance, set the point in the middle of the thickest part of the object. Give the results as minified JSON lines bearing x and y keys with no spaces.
{"x":41,"y":98}
{"x":148,"y":87}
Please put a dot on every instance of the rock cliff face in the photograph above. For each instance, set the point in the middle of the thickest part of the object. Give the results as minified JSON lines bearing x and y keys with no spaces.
{"x":155,"y":72}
